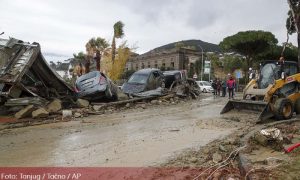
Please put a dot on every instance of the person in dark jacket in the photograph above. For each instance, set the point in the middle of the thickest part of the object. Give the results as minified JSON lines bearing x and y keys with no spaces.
{"x":219,"y":86}
{"x":214,"y":86}
{"x":224,"y":88}
{"x":230,"y":85}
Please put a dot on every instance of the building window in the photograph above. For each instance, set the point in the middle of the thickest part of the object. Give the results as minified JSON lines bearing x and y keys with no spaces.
{"x":143,"y":66}
{"x":136,"y":67}
{"x":149,"y":66}
{"x":155,"y":65}
{"x":172,"y":64}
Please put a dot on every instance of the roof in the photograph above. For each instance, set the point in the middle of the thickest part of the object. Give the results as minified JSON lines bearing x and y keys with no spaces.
{"x":147,"y":70}
{"x":22,"y":58}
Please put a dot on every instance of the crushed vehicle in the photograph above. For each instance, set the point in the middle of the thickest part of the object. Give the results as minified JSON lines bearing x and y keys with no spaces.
{"x":205,"y":86}
{"x":144,"y":80}
{"x":274,"y":93}
{"x":95,"y":86}
{"x":174,"y":77}
{"x":25,"y":73}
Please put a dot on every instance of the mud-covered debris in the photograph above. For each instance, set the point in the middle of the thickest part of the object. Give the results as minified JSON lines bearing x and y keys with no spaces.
{"x":82,"y":103}
{"x":40,"y":113}
{"x":127,"y":105}
{"x":222,"y":148}
{"x":97,"y":107}
{"x":156,"y":92}
{"x":54,"y":106}
{"x":26,"y":101}
{"x":26,"y":112}
{"x":122,"y":96}
{"x":193,"y":159}
{"x":155,"y":101}
{"x":216,"y":158}
{"x":67,"y":114}
{"x":26,"y":78}
{"x":270,"y":137}
{"x":77,"y":115}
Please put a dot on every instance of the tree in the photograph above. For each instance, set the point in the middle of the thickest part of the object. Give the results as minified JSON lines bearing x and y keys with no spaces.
{"x":118,"y":33}
{"x":78,"y":58}
{"x":293,"y":22}
{"x":117,"y":68}
{"x":290,"y":52}
{"x":249,"y":43}
{"x":96,"y":45}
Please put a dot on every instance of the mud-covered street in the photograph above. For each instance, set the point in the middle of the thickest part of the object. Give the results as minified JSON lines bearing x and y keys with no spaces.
{"x":131,"y":138}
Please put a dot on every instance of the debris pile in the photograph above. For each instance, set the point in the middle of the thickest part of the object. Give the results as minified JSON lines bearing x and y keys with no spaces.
{"x":27,"y":83}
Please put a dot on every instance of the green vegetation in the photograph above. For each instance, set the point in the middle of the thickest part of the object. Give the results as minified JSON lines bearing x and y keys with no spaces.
{"x":250,"y":44}
{"x":293,"y":22}
{"x":118,"y":33}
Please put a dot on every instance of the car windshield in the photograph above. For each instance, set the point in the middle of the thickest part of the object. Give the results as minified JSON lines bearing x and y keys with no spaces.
{"x":138,"y":79}
{"x":206,"y":83}
{"x":269,"y":73}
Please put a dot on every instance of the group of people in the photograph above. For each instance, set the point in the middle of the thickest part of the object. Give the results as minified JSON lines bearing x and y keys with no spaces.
{"x":219,"y":85}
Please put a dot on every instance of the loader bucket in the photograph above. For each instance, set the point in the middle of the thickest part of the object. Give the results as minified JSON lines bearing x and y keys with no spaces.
{"x":262,"y":108}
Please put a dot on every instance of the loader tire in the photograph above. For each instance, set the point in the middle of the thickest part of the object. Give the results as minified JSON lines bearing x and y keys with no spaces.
{"x":283,"y":109}
{"x":297,"y":106}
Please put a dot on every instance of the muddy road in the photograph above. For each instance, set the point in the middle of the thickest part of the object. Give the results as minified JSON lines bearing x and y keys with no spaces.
{"x":131,"y":138}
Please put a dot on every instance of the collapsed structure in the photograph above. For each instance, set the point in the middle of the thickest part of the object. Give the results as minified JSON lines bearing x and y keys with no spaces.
{"x":26,"y":78}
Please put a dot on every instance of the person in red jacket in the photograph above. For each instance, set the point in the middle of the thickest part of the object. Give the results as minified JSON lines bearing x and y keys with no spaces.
{"x":230,"y":85}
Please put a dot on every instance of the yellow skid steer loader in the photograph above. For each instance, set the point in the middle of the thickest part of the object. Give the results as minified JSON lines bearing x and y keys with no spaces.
{"x":275,"y":93}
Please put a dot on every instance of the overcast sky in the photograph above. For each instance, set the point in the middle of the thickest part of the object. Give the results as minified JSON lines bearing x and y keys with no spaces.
{"x":64,"y":26}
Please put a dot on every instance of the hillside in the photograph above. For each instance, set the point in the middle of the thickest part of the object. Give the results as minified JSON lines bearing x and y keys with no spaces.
{"x":207,"y":47}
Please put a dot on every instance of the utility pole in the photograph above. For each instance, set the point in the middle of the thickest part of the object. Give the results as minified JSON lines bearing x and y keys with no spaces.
{"x":202,"y":65}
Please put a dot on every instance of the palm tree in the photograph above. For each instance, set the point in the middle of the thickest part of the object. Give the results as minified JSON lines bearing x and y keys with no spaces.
{"x":118,"y":33}
{"x":98,"y":46}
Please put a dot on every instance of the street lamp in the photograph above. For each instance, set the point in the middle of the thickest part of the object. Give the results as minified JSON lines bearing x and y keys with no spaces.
{"x":201,"y":63}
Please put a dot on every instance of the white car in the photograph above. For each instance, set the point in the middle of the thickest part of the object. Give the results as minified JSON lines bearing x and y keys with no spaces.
{"x":205,"y":86}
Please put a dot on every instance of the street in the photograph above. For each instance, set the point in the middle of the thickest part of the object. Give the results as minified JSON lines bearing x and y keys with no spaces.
{"x":131,"y":138}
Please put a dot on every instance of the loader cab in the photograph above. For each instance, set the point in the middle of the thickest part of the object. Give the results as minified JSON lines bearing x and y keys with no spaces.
{"x":271,"y":71}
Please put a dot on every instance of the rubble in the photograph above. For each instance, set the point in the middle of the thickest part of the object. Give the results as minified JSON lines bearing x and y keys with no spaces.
{"x":77,"y":115}
{"x":26,"y":78}
{"x":271,"y":137}
{"x":216,"y":158}
{"x":67,"y":114}
{"x":54,"y":106}
{"x":82,"y":103}
{"x":25,"y":112}
{"x":40,"y":113}
{"x":97,"y":107}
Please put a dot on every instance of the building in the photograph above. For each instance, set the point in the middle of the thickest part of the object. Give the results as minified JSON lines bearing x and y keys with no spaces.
{"x":177,"y":58}
{"x":63,"y":69}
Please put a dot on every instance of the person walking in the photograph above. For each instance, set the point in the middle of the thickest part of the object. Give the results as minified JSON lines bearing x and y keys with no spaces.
{"x":219,"y":85}
{"x":214,"y":86}
{"x":230,"y":85}
{"x":224,"y":88}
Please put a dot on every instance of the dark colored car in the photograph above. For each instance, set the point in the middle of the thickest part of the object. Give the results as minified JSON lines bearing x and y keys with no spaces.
{"x":144,"y":80}
{"x":94,"y":86}
{"x":174,"y":76}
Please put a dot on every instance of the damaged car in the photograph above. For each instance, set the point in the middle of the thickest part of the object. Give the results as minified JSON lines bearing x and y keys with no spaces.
{"x":144,"y":80}
{"x":95,"y":86}
{"x":174,"y":77}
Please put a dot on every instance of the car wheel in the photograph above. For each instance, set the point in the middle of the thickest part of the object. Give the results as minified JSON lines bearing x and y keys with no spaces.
{"x":283,"y":109}
{"x":204,"y":90}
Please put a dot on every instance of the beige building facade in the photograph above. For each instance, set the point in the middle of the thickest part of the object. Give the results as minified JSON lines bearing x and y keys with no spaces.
{"x":179,"y":59}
